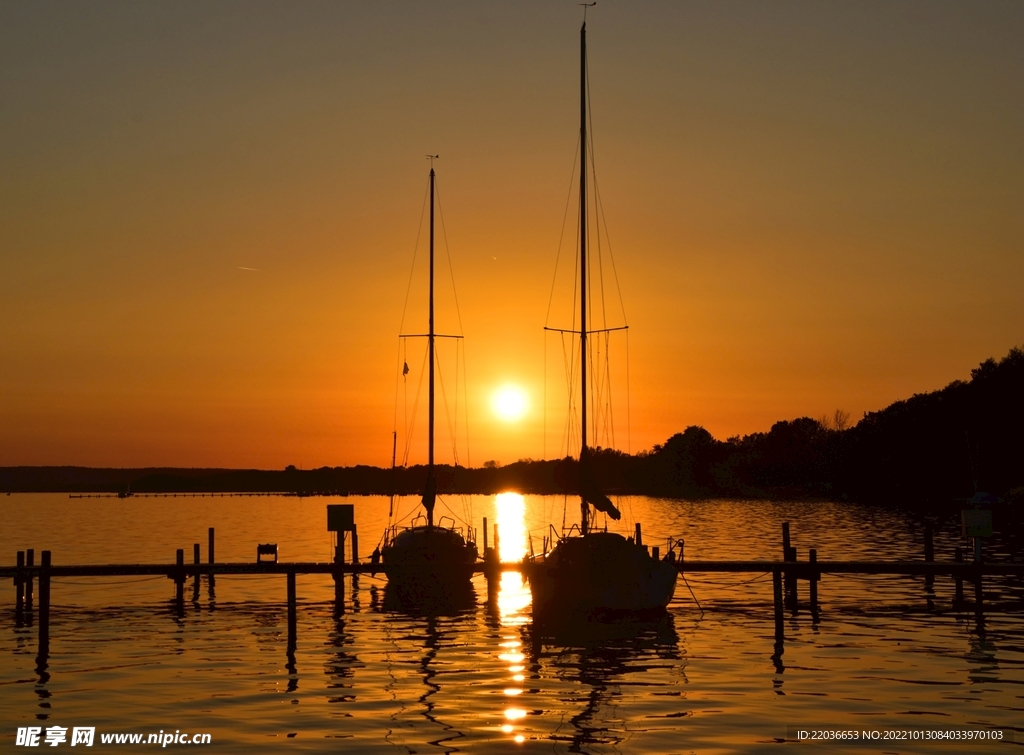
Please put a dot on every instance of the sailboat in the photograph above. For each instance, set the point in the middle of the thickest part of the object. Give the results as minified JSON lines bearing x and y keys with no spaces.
{"x":595,"y":571}
{"x":429,"y":552}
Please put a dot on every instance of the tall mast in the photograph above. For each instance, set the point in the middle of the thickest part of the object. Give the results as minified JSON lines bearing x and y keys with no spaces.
{"x":428,"y":496}
{"x":584,"y":510}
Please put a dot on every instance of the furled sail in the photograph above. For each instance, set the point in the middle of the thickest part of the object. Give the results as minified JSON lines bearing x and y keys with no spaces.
{"x":590,"y":493}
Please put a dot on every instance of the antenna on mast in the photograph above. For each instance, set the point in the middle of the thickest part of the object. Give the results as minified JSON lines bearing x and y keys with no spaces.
{"x":585,"y":6}
{"x":432,"y":158}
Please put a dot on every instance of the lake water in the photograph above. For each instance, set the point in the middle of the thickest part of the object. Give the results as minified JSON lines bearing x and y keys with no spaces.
{"x":886,"y":653}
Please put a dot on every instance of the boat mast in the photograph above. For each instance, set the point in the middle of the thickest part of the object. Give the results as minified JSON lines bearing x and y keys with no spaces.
{"x":584,"y":465}
{"x":431,"y":489}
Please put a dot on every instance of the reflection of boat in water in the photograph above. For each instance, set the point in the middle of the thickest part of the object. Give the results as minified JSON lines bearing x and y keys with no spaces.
{"x":430,"y":633}
{"x":426,"y":553}
{"x":429,"y":597}
{"x":602,"y":657}
{"x":595,"y":571}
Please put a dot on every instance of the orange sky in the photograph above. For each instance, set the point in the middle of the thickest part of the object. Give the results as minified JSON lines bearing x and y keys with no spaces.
{"x":811,"y":206}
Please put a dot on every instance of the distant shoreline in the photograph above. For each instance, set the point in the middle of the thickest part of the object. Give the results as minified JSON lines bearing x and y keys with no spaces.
{"x":932,"y":448}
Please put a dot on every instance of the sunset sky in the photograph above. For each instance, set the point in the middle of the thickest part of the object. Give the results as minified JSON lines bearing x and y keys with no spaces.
{"x":209,"y":211}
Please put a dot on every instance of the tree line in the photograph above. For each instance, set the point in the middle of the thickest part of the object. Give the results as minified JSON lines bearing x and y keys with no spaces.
{"x":950,"y":443}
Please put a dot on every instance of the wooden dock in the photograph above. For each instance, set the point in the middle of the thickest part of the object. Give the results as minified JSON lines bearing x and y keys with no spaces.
{"x":26,"y":574}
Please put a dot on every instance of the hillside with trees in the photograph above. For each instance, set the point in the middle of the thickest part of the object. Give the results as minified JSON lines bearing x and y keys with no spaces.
{"x":950,"y":443}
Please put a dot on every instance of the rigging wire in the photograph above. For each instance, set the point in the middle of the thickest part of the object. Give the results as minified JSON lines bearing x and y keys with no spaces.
{"x":458,"y":314}
{"x":561,"y":235}
{"x":554,"y":280}
{"x":451,"y":271}
{"x":415,"y":250}
{"x":415,"y":406}
{"x":447,"y":413}
{"x":629,"y":419}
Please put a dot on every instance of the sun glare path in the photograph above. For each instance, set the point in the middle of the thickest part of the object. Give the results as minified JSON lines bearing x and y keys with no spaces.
{"x":510,"y":403}
{"x":513,"y":598}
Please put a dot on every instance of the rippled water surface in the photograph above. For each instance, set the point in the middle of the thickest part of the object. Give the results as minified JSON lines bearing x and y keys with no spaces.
{"x":478,"y":676}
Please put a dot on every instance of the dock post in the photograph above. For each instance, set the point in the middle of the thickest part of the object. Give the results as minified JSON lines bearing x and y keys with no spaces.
{"x":491,"y":574}
{"x":788,"y":554}
{"x":292,"y":620}
{"x":195,"y":560}
{"x":30,"y":557}
{"x":44,"y":606}
{"x":977,"y":576}
{"x":485,"y":536}
{"x":636,"y":534}
{"x":812,"y":559}
{"x":780,"y":630}
{"x":958,"y":599}
{"x":179,"y":582}
{"x":19,"y":585}
{"x":209,"y":548}
{"x":929,"y":554}
{"x":339,"y":579}
{"x":355,"y":545}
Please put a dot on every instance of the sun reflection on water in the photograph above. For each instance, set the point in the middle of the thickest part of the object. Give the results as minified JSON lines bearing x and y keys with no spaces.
{"x":513,"y":599}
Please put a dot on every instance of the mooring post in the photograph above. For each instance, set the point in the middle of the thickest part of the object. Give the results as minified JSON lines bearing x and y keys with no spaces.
{"x":637,"y":535}
{"x":812,"y":559}
{"x":292,"y":620}
{"x":787,"y":555}
{"x":780,"y":629}
{"x":179,"y":581}
{"x":209,"y":548}
{"x":929,"y":553}
{"x":355,"y":546}
{"x":30,"y":557}
{"x":485,"y":536}
{"x":958,"y":598}
{"x":44,"y":605}
{"x":977,"y":575}
{"x":339,"y":579}
{"x":195,"y":560}
{"x":19,"y":585}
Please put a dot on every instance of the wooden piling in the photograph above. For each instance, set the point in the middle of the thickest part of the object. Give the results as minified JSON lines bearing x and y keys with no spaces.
{"x":929,"y":553}
{"x":958,"y":599}
{"x":179,"y":581}
{"x":355,"y":545}
{"x":339,"y":580}
{"x":637,"y":535}
{"x":30,"y":556}
{"x":209,"y":548}
{"x":195,"y":560}
{"x":44,"y":604}
{"x":292,"y":614}
{"x":812,"y":559}
{"x":780,"y":629}
{"x":485,"y":535}
{"x":787,"y":555}
{"x":19,"y":584}
{"x":978,"y":603}
{"x":977,"y":576}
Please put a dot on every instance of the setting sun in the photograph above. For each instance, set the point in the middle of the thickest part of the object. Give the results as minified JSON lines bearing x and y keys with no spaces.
{"x":509,"y":402}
